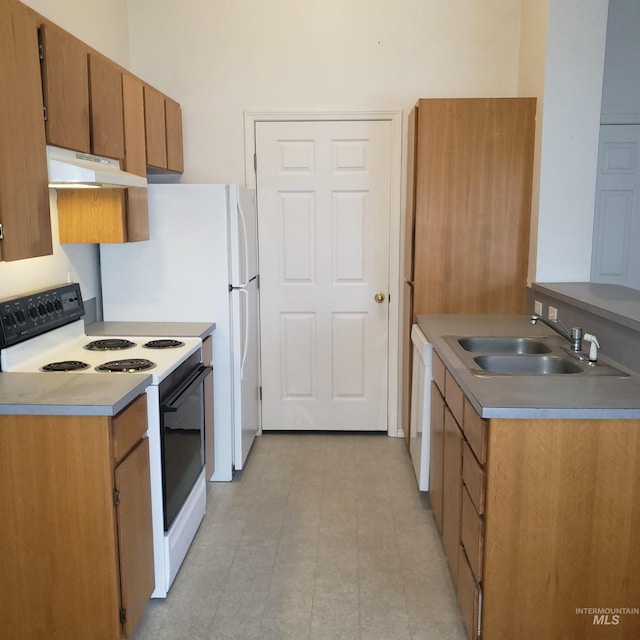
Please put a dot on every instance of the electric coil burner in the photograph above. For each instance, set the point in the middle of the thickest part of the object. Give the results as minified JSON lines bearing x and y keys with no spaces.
{"x":109,"y":344}
{"x":163,"y":344}
{"x":65,"y":365}
{"x":130,"y":365}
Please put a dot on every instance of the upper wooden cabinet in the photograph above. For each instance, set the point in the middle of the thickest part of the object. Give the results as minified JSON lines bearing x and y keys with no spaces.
{"x":107,"y":109}
{"x":102,"y":215}
{"x":91,"y":105}
{"x":133,"y":99}
{"x":65,"y":88}
{"x":94,"y":106}
{"x":173,"y":121}
{"x":163,"y":131}
{"x":155,"y":128}
{"x":24,"y":196}
{"x":82,"y":93}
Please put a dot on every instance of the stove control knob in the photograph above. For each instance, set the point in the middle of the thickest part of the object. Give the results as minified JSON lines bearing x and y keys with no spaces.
{"x":33,"y":312}
{"x":41,"y":309}
{"x":57,"y":304}
{"x":20,"y":317}
{"x":49,"y":306}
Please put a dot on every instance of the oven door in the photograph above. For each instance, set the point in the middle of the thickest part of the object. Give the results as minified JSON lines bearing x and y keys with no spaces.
{"x":182,"y":440}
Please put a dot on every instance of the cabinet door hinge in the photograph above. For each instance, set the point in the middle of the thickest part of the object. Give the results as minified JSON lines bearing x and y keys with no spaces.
{"x":44,"y":113}
{"x":255,"y":162}
{"x":123,"y":615}
{"x":260,"y":393}
{"x":116,"y":497}
{"x":1,"y":232}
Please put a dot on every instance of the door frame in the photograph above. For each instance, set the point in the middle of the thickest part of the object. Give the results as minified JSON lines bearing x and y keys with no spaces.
{"x":251,"y":118}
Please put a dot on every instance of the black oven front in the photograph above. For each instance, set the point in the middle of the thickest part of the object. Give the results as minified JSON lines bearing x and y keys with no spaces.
{"x":181,"y":433}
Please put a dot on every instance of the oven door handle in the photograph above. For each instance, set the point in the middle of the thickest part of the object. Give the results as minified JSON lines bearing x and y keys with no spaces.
{"x":180,"y":394}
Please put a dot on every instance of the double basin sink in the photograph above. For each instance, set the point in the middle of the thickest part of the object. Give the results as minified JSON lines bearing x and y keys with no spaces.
{"x":494,"y":355}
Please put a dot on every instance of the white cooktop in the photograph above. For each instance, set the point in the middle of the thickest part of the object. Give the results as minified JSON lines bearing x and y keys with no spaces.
{"x":68,"y":343}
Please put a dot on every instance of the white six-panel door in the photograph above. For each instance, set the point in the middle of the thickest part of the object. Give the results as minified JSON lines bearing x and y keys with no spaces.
{"x":323,"y":193}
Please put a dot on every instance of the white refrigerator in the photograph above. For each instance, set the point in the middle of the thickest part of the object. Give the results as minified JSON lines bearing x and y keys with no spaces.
{"x":200,"y":265}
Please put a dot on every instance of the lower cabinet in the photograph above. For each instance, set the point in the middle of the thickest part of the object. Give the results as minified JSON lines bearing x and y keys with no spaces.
{"x":539,"y":520}
{"x":75,"y":503}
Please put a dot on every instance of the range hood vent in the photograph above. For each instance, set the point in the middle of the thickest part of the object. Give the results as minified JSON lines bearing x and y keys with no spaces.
{"x":76,"y":170}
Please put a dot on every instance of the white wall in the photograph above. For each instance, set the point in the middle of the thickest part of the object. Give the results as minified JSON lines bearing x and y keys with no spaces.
{"x":102,"y":25}
{"x":219,"y":58}
{"x":576,"y":38}
{"x":533,"y":41}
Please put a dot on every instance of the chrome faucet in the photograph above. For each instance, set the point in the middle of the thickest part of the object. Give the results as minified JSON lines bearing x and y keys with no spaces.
{"x":574,"y":336}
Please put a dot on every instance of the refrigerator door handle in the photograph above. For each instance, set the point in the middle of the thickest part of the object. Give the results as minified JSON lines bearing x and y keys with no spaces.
{"x":243,"y":224}
{"x":245,"y":346}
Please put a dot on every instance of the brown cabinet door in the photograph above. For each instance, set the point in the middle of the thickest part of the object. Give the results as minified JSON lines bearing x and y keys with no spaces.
{"x":436,"y":453}
{"x":473,"y":201}
{"x":65,"y":86}
{"x":133,"y":101}
{"x":135,"y":157}
{"x":92,"y":215}
{"x":155,"y":128}
{"x":135,"y":537}
{"x":451,"y":491}
{"x":24,"y":195}
{"x":173,"y":121}
{"x":107,"y":116}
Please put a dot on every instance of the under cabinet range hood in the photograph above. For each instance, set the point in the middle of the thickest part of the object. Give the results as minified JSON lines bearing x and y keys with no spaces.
{"x":77,"y":170}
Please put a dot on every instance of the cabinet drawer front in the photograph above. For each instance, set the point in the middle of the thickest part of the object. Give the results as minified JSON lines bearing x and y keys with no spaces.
{"x":472,"y":535}
{"x":473,"y":477}
{"x":475,"y":430}
{"x":128,"y":427}
{"x":437,"y":370}
{"x":454,"y":397}
{"x":468,"y":596}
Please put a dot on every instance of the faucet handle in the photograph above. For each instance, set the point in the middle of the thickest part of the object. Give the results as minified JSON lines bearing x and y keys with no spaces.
{"x":576,"y":339}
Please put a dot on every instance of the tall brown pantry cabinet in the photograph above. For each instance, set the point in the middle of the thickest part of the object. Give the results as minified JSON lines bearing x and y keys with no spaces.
{"x":468,"y":208}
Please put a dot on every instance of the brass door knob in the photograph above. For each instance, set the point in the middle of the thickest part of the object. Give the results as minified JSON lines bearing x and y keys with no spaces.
{"x":379,"y":297}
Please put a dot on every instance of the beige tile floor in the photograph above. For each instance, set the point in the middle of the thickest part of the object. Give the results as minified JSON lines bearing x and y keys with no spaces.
{"x":321,"y":536}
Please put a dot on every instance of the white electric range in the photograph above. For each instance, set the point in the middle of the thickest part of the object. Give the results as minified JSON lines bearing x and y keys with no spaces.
{"x":43,"y":332}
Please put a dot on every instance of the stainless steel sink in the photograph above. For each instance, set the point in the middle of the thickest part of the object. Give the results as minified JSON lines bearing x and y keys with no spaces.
{"x":488,"y":356}
{"x":506,"y":345}
{"x":527,"y":364}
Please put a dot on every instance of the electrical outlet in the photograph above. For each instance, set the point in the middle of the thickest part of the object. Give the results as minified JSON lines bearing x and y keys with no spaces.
{"x":537,"y":307}
{"x":553,"y":313}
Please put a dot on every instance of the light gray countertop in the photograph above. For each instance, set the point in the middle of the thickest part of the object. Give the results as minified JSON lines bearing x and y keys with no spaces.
{"x":527,"y":396}
{"x":69,"y":393}
{"x":151,"y":329}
